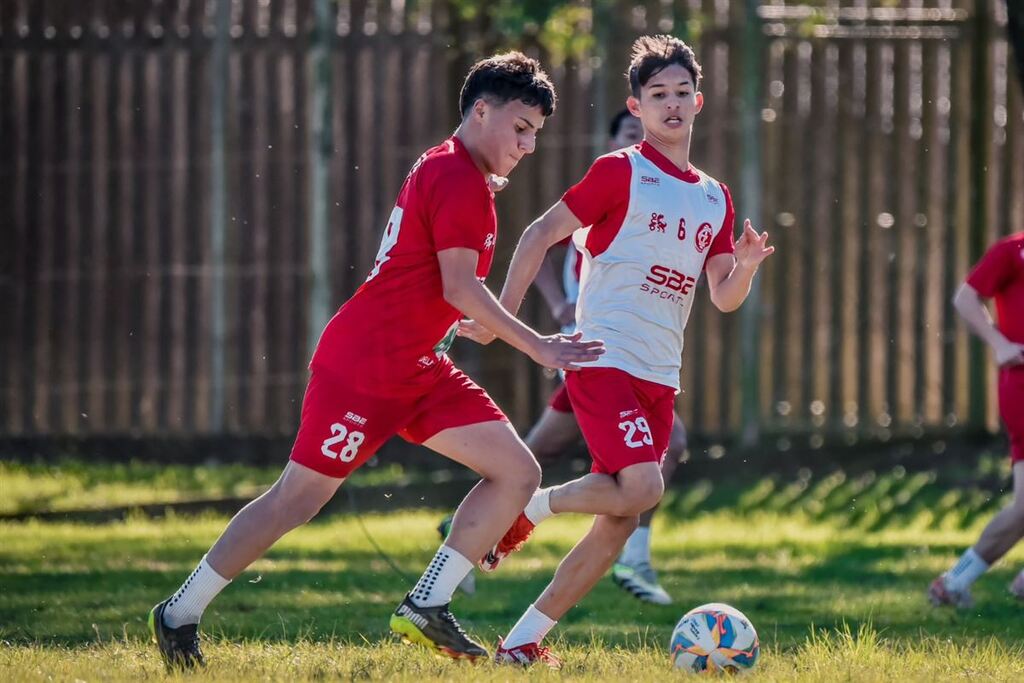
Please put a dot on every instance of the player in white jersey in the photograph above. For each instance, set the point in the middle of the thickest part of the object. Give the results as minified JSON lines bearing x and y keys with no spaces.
{"x":656,"y":223}
{"x":557,"y":429}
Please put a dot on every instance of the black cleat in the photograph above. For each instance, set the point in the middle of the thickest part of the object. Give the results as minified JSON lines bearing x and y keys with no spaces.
{"x":435,"y":628}
{"x":179,"y":647}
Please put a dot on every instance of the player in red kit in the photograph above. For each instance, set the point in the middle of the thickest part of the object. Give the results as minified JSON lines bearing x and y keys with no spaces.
{"x":998,"y":275}
{"x":381,"y":368}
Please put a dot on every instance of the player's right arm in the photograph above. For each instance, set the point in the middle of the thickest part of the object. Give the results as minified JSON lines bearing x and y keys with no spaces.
{"x":555,"y":225}
{"x":968,"y":303}
{"x":550,"y":287}
{"x":465,"y":292}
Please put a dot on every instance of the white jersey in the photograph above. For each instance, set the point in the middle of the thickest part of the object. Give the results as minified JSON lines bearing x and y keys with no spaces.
{"x":571,"y":280}
{"x":649,"y":238}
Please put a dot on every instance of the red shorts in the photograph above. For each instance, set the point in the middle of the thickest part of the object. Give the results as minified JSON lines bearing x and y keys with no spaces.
{"x":1011,"y":407}
{"x":624,"y":420}
{"x":341,"y":428}
{"x":559,"y":400}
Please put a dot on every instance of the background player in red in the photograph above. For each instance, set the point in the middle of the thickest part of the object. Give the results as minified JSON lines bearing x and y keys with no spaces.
{"x":381,"y":368}
{"x":557,"y":430}
{"x":998,"y":275}
{"x":655,"y":223}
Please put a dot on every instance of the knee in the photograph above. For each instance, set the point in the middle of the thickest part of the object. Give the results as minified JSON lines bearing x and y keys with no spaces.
{"x":524,"y":475}
{"x":642,"y":493}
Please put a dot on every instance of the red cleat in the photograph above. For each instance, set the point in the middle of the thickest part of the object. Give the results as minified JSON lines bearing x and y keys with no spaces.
{"x":526,"y":655}
{"x":512,"y":541}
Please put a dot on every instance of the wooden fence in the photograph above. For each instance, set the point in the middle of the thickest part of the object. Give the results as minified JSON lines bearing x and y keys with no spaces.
{"x":887,"y":151}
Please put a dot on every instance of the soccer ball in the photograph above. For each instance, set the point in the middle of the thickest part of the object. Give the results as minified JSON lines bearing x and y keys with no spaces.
{"x":714,"y":637}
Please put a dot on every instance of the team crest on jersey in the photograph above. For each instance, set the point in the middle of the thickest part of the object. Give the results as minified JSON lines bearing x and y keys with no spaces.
{"x":489,"y":241}
{"x":713,"y":199}
{"x":650,"y":180}
{"x":703,"y":239}
{"x":657,"y":222}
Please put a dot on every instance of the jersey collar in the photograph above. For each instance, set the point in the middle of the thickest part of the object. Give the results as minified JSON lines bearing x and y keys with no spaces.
{"x":665,"y":165}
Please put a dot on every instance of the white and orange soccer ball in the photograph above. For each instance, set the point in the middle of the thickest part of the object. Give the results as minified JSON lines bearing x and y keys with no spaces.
{"x":714,"y":638}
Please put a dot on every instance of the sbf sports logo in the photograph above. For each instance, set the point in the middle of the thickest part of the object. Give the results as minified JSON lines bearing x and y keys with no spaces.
{"x":671,"y":279}
{"x":703,"y":239}
{"x":668,"y":284}
{"x":657,"y":222}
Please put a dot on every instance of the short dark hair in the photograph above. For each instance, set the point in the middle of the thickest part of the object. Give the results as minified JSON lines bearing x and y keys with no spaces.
{"x":507,"y":77}
{"x":651,"y":54}
{"x":617,"y":121}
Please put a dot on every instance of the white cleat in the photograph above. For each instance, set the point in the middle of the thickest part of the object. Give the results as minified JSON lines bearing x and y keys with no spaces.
{"x":641,"y":582}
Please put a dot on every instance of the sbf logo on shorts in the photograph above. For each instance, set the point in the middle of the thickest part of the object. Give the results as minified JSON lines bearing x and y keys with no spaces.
{"x":355,"y":419}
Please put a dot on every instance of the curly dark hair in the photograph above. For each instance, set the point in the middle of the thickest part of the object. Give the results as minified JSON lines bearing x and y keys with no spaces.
{"x":506,"y":77}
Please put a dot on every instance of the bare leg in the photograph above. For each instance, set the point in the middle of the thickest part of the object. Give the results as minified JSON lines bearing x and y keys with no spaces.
{"x":510,"y":476}
{"x":625,"y":494}
{"x":676,"y":448}
{"x":293,"y":500}
{"x":553,"y":434}
{"x":585,"y":564}
{"x":1007,"y":527}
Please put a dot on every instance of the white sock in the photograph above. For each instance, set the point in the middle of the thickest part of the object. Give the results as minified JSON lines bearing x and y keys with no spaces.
{"x":531,"y":628}
{"x":441,"y":578}
{"x":638,"y":547}
{"x":187,"y":605}
{"x":966,"y":571}
{"x":539,"y":507}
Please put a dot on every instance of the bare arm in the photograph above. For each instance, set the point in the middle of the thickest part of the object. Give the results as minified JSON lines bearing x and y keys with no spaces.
{"x":556,"y":224}
{"x":463,"y":291}
{"x":730,"y":276}
{"x":550,"y":286}
{"x":972,"y":309}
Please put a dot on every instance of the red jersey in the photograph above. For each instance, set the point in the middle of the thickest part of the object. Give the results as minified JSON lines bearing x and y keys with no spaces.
{"x":1000,"y":275}
{"x":392,"y":336}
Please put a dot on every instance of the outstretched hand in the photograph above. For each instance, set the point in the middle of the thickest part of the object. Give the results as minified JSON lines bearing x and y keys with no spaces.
{"x":564,"y":351}
{"x":752,"y":247}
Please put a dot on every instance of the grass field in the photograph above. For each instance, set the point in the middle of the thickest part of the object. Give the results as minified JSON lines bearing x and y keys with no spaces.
{"x":832,"y":571}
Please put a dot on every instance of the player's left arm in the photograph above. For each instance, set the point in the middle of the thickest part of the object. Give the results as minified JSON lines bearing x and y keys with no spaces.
{"x":730,"y":275}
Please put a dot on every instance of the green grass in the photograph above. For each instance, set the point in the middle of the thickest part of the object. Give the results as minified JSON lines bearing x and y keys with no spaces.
{"x":831,"y":569}
{"x":73,"y":484}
